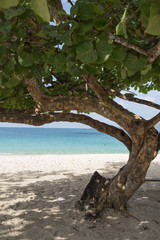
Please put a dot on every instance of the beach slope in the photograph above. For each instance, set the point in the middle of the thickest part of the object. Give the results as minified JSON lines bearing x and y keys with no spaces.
{"x":38,"y":194}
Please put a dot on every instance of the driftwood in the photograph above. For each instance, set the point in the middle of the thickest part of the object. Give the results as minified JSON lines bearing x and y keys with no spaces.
{"x":91,"y":192}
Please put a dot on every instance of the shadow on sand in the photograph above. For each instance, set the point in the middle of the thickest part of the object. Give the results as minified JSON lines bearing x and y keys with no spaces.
{"x":35,"y":208}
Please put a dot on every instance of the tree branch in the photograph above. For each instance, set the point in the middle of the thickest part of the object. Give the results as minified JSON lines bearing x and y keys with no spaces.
{"x":70,"y":2}
{"x":104,"y":105}
{"x":158,"y":142}
{"x":125,"y":43}
{"x":56,"y":5}
{"x":152,"y":53}
{"x":116,"y":112}
{"x":153,"y":121}
{"x":59,"y":103}
{"x":27,"y":117}
{"x":134,"y":99}
{"x":16,"y":116}
{"x":36,"y":93}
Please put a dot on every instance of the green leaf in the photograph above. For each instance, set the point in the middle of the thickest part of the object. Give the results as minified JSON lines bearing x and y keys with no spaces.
{"x":74,"y":10}
{"x":130,"y":73}
{"x":49,"y":30}
{"x":15,"y":46}
{"x":4,"y":37}
{"x":116,"y":3}
{"x":111,"y":63}
{"x":88,"y":1}
{"x":104,"y":50}
{"x":86,"y":11}
{"x":51,"y":60}
{"x":37,"y":55}
{"x":8,"y":3}
{"x":10,"y":66}
{"x":148,"y":77}
{"x":121,"y":27}
{"x":15,"y":80}
{"x":41,"y":34}
{"x":144,"y":6}
{"x":144,"y":20}
{"x":6,"y":27}
{"x":25,"y":59}
{"x":73,"y":69}
{"x":41,"y":8}
{"x":119,"y":54}
{"x":21,"y":33}
{"x":10,"y":81}
{"x":100,"y":23}
{"x":135,"y":64}
{"x":129,"y":94}
{"x":60,"y":62}
{"x":11,"y":13}
{"x":123,"y":73}
{"x":13,"y":100}
{"x":98,"y":9}
{"x":3,"y":52}
{"x":88,"y":69}
{"x":81,"y":28}
{"x":84,"y":28}
{"x":19,"y":69}
{"x":86,"y":53}
{"x":65,"y":37}
{"x":153,"y":27}
{"x":147,"y":69}
{"x":62,"y":12}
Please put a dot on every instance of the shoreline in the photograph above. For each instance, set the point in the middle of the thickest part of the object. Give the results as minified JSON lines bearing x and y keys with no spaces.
{"x":58,"y":154}
{"x":74,"y":154}
{"x":75,"y":162}
{"x":54,"y":154}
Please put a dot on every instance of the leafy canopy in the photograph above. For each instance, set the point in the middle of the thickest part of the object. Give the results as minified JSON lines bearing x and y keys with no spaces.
{"x":59,"y":55}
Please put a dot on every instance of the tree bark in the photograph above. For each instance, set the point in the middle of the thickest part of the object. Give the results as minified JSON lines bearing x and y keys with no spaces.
{"x":117,"y":192}
{"x":92,"y":192}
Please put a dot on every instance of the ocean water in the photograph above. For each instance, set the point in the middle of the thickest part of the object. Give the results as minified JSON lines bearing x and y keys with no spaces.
{"x":57,"y":141}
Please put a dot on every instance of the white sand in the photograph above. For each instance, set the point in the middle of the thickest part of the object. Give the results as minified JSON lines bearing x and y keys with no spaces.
{"x":38,"y":193}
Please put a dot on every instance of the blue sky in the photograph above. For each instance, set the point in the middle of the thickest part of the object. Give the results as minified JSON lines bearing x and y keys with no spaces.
{"x":144,"y":111}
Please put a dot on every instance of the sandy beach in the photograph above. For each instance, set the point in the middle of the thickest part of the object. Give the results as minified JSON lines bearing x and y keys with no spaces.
{"x":38,"y":194}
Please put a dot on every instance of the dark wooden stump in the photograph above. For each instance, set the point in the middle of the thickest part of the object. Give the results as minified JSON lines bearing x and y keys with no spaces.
{"x":91,"y":193}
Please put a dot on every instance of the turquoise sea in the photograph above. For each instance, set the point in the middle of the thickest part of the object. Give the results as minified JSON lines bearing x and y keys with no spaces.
{"x":57,"y":141}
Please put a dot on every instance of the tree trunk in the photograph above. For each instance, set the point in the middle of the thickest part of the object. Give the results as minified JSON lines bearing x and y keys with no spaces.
{"x":116,"y":193}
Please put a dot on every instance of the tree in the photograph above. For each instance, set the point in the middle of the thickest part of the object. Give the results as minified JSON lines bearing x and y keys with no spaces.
{"x":81,"y":63}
